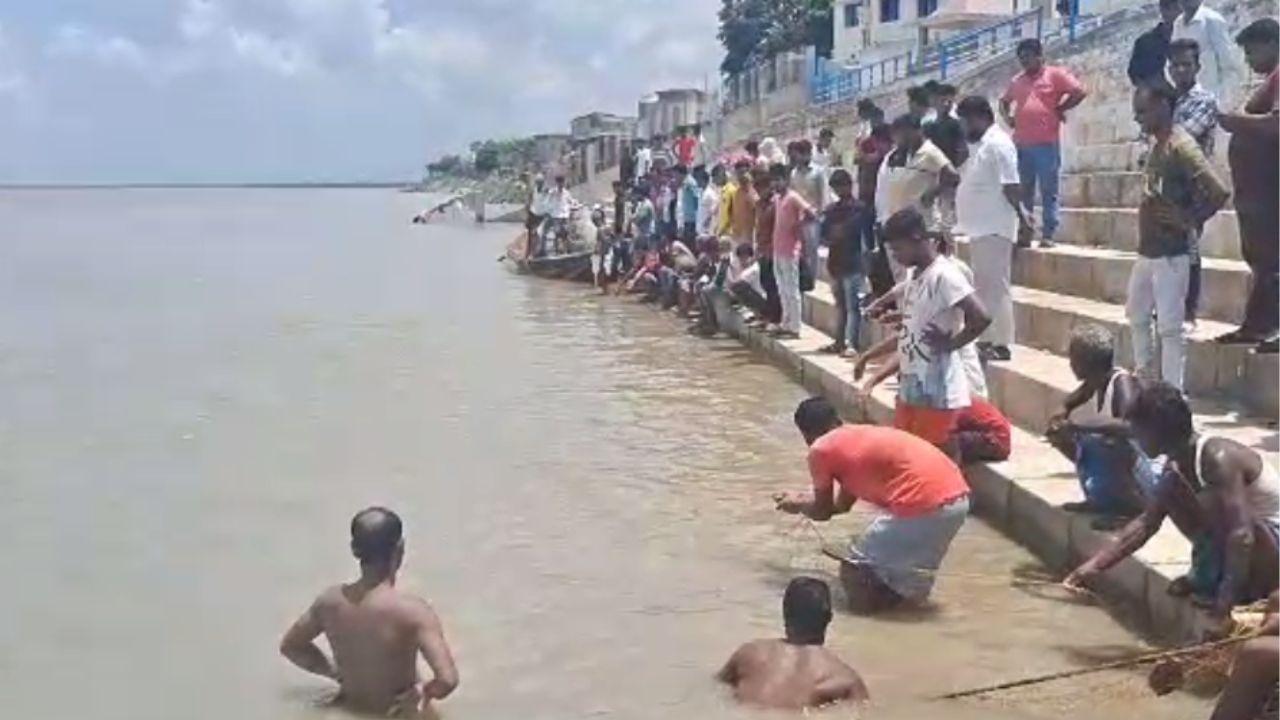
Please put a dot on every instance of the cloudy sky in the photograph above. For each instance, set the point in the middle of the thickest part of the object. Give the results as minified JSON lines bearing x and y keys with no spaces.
{"x":268,"y":90}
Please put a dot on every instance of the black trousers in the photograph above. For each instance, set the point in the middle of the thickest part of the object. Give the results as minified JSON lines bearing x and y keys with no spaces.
{"x":772,"y":300}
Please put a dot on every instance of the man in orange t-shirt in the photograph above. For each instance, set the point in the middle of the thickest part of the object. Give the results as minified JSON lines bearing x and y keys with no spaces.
{"x":921,"y":495}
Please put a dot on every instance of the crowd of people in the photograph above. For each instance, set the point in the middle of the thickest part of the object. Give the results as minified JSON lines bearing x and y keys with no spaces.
{"x":698,"y":233}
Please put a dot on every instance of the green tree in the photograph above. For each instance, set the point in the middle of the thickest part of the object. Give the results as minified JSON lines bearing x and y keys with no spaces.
{"x":445,"y":165}
{"x":755,"y":30}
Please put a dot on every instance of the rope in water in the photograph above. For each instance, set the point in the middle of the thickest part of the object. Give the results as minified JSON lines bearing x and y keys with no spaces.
{"x":827,"y":550}
{"x":1117,"y":665}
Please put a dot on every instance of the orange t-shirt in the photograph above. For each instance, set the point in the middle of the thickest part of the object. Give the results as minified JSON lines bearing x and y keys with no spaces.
{"x":889,"y":468}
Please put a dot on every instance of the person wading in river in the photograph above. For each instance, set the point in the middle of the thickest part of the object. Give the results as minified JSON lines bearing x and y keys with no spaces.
{"x":376,"y":631}
{"x":921,"y":496}
{"x":1222,"y":495}
{"x":796,"y":672}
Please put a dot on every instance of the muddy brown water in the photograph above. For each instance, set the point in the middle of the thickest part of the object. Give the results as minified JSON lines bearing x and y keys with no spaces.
{"x":200,"y":387}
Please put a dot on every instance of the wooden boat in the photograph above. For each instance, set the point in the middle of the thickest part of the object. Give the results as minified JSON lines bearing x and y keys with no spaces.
{"x":575,"y":266}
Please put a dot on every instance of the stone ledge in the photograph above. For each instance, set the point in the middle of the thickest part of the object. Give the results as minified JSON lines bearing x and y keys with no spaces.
{"x":1103,"y":274}
{"x":1045,"y":320}
{"x":1020,"y":496}
{"x":1117,"y":229}
{"x":1031,"y":388}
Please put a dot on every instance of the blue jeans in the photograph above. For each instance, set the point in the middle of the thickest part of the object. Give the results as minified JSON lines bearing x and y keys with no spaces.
{"x":1039,"y":164}
{"x":848,"y":292}
{"x":1098,"y":459}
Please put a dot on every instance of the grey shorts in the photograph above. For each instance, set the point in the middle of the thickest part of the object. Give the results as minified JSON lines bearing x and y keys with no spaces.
{"x":897,"y":548}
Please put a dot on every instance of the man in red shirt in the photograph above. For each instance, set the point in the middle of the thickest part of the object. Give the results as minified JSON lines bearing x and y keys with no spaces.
{"x":921,"y":497}
{"x":1036,"y":105}
{"x":685,"y":146}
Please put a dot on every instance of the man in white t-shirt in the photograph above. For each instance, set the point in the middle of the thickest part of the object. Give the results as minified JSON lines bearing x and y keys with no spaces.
{"x":989,"y":210}
{"x":913,"y":174}
{"x":941,"y":314}
{"x":644,"y":161}
{"x":1222,"y":68}
{"x":558,"y":203}
{"x":709,"y":202}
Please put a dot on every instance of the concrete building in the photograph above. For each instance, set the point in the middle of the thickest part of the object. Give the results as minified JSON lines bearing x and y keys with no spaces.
{"x":666,"y":110}
{"x":597,"y":141}
{"x":869,"y":30}
{"x":549,"y":150}
{"x":646,"y":111}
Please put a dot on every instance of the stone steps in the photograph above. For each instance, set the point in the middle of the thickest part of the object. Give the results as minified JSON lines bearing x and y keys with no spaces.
{"x":1045,"y":320}
{"x":1031,"y":388}
{"x":1112,"y":189}
{"x":1117,"y":229}
{"x":1021,"y":496}
{"x":1103,"y":157}
{"x":1103,"y":274}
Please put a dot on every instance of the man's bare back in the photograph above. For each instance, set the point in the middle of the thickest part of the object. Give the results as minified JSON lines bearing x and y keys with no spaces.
{"x":780,"y":674}
{"x":375,"y":631}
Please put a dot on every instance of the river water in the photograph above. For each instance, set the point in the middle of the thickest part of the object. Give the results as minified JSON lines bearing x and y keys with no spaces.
{"x":198,"y":388}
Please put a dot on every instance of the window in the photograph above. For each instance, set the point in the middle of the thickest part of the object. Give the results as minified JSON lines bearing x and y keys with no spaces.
{"x":925,"y":8}
{"x":851,"y":19}
{"x":888,"y":10}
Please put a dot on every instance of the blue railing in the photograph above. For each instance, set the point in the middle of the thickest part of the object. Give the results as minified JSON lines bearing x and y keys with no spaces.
{"x":941,"y":59}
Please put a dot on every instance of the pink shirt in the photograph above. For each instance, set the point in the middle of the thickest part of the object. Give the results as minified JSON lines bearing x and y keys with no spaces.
{"x":788,"y":220}
{"x":1035,"y":101}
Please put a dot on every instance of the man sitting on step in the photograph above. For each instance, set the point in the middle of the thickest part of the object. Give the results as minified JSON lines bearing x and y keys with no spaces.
{"x":1222,"y":495}
{"x":1115,"y":476}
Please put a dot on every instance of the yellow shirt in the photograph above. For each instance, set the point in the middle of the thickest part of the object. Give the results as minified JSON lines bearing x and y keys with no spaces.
{"x":727,"y":193}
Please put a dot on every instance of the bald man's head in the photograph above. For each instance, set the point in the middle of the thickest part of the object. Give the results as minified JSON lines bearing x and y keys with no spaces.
{"x":377,"y":536}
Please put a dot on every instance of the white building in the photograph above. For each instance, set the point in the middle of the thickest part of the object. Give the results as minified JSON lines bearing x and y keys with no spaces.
{"x":870,"y":30}
{"x":665,"y":111}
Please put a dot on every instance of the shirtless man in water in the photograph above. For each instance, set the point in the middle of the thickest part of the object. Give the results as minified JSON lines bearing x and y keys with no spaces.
{"x":797,"y":672}
{"x":376,"y":631}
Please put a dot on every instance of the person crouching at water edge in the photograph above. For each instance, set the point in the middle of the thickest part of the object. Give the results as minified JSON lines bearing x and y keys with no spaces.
{"x":375,"y":630}
{"x":796,"y":672}
{"x":1223,"y":496}
{"x":921,"y":496}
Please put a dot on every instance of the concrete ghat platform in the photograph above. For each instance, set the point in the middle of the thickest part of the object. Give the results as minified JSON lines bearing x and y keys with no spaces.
{"x":1103,"y":274}
{"x":1021,"y":497}
{"x":1117,"y":228}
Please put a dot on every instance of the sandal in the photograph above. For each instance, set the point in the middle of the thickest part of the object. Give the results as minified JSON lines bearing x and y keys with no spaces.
{"x":1239,"y":337}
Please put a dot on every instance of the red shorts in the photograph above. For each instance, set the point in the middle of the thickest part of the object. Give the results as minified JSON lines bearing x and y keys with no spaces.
{"x":929,"y":424}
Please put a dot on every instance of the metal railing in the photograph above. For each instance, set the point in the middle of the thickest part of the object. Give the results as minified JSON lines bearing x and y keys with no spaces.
{"x":944,"y":58}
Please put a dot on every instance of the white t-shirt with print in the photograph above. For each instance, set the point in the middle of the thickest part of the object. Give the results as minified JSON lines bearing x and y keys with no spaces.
{"x":930,"y":298}
{"x":973,"y":371}
{"x":709,"y":211}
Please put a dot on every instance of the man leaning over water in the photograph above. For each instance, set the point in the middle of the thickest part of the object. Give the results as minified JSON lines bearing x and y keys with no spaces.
{"x":376,"y":631}
{"x":920,"y":496}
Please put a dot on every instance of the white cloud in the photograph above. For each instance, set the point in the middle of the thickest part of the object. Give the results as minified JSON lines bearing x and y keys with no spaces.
{"x":110,"y":50}
{"x":334,"y":88}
